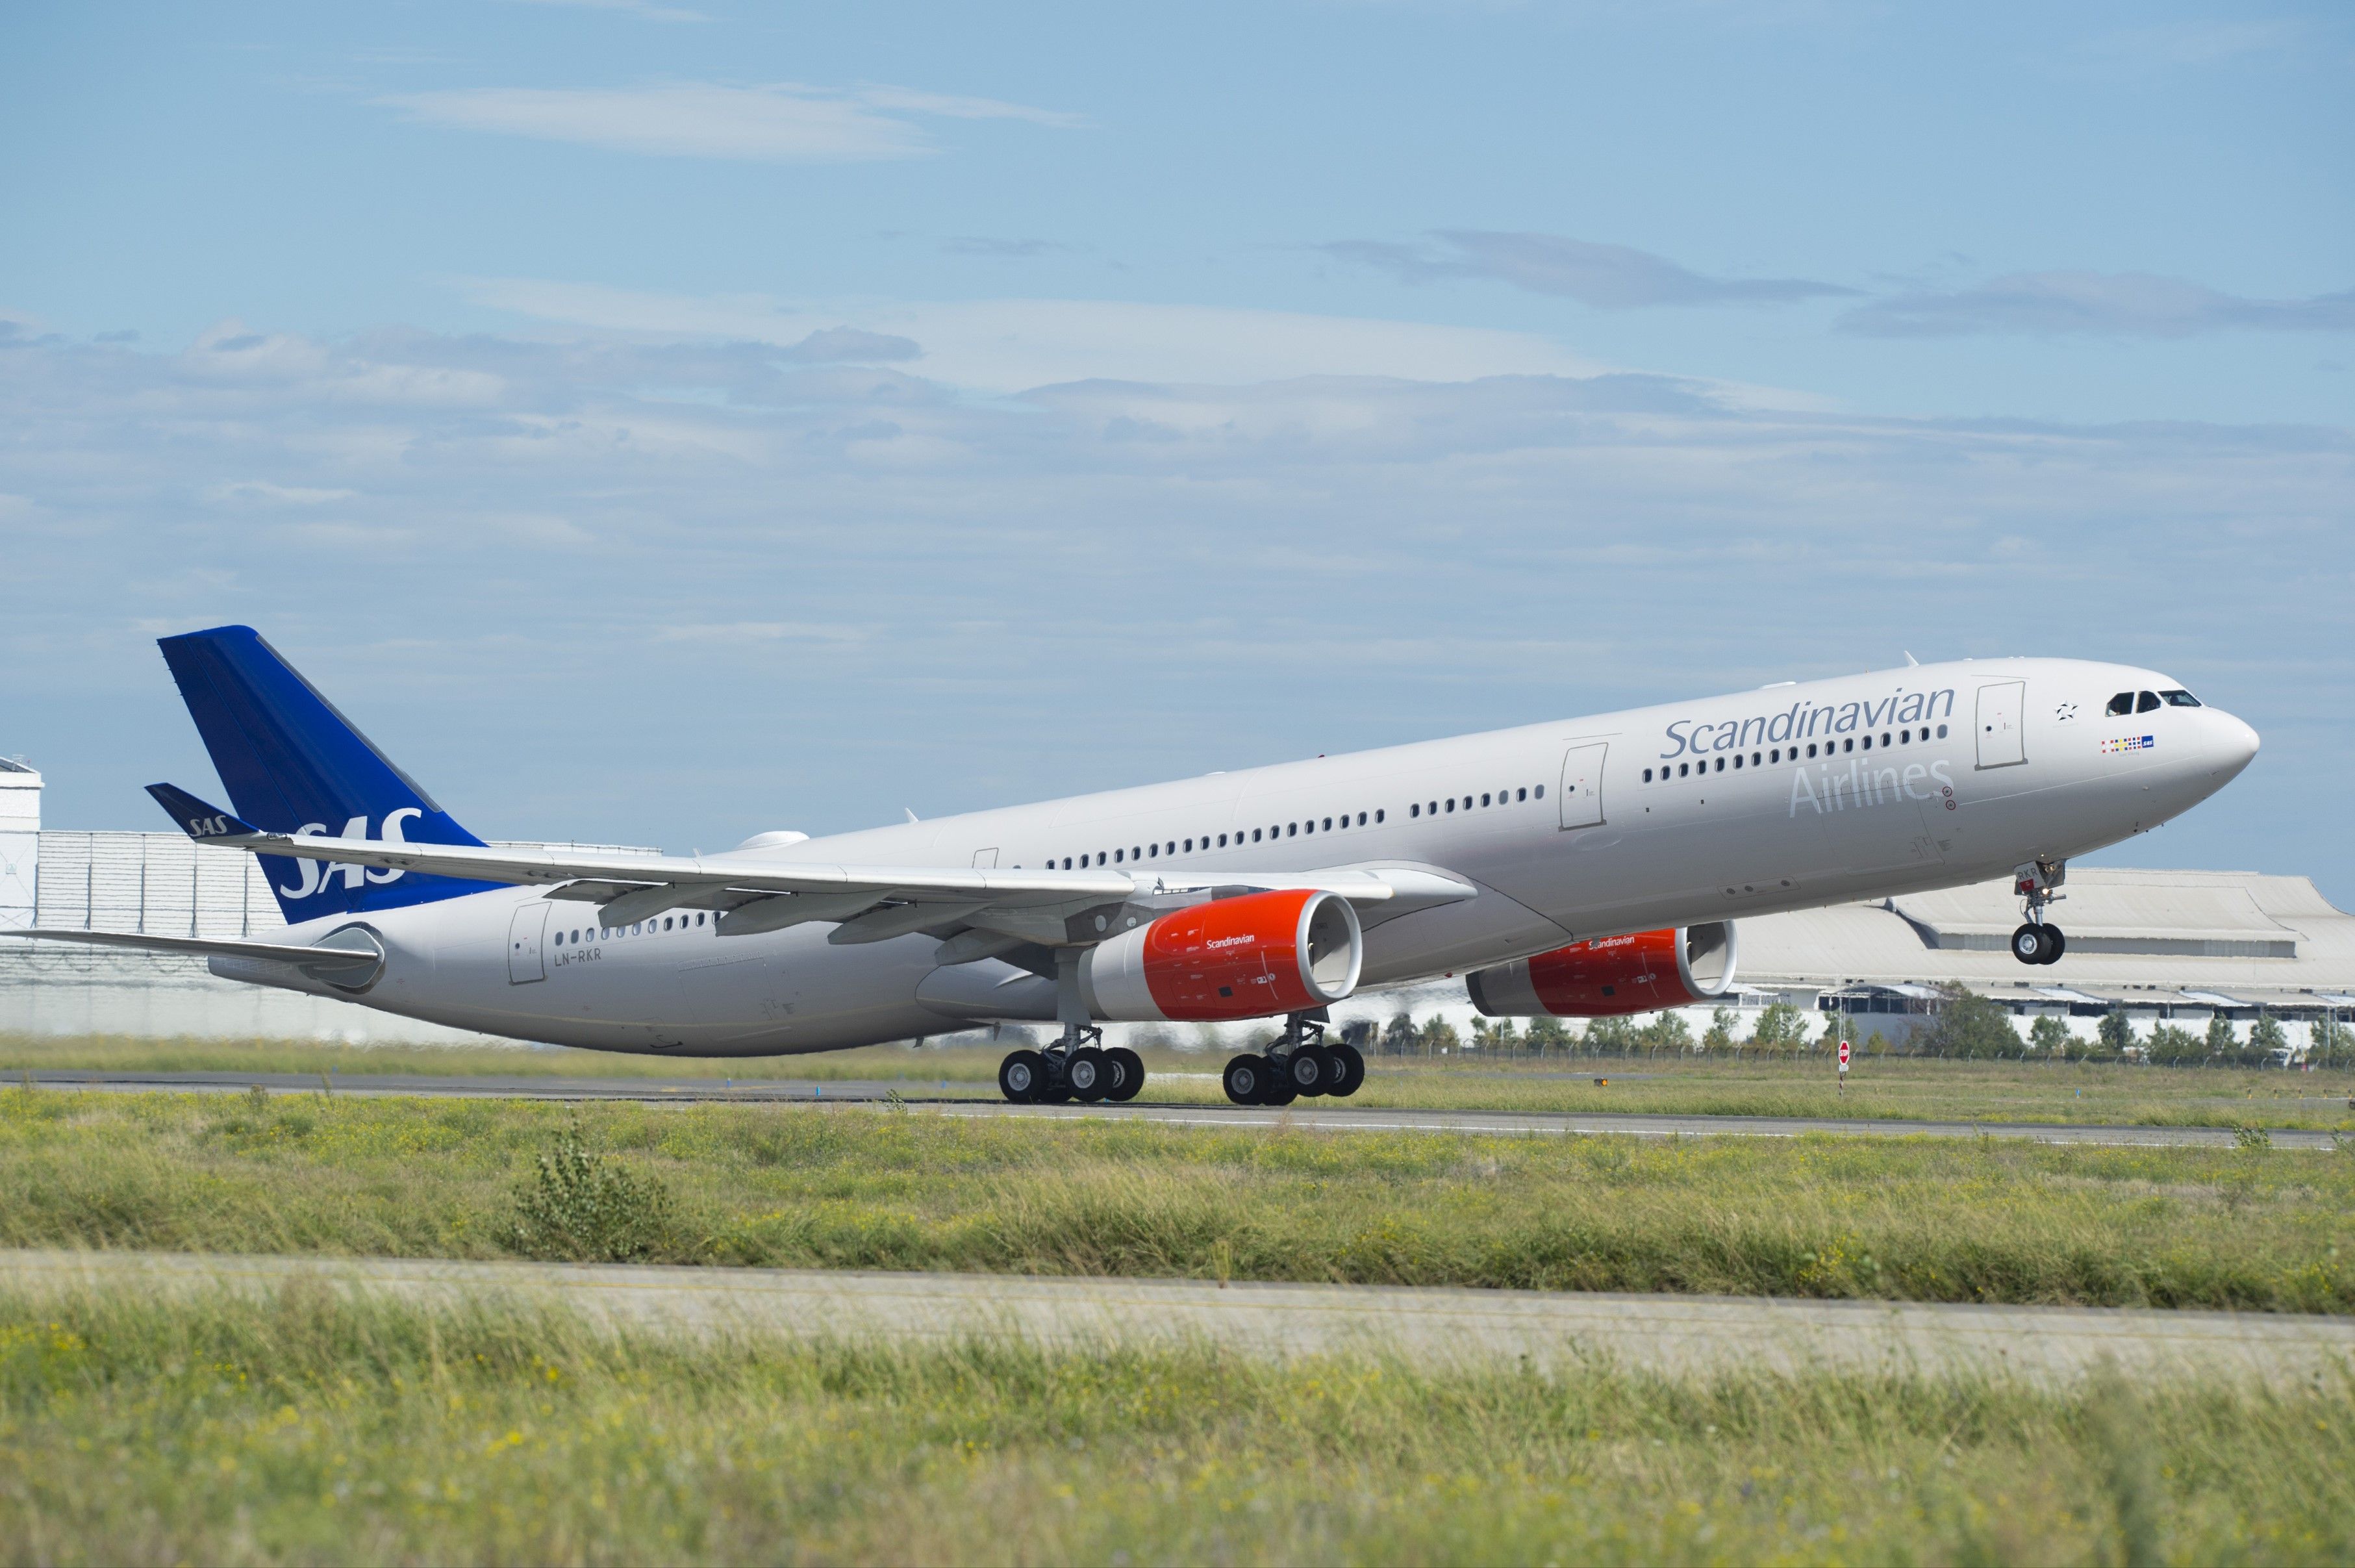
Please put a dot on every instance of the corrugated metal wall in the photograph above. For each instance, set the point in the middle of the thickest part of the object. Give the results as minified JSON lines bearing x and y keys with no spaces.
{"x":159,"y":883}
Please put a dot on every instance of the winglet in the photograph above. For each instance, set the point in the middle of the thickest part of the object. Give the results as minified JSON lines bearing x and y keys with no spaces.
{"x":196,"y":818}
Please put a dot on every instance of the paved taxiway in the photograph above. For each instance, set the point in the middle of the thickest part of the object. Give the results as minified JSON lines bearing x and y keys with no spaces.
{"x":1433,"y":1326}
{"x":974,"y":1100}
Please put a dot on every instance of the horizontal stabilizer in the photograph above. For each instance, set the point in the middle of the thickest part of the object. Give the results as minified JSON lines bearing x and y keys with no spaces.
{"x":198,"y":819}
{"x":351,"y":966}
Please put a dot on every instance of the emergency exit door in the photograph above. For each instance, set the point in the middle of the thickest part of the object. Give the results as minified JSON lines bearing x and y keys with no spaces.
{"x":524,"y":933}
{"x":1581,"y":785}
{"x":2001,"y":740}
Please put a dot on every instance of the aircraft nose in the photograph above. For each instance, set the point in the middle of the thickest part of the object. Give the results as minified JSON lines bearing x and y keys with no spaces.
{"x":2236,"y":743}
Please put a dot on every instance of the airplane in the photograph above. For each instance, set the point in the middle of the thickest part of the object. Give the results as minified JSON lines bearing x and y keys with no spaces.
{"x":1576,"y":868}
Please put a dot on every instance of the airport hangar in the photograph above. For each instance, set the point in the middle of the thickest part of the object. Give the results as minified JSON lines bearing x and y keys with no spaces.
{"x":2179,"y":946}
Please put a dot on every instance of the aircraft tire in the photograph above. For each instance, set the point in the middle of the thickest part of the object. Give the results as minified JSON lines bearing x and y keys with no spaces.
{"x":2028,"y":943}
{"x":2056,"y":943}
{"x":1246,"y":1079}
{"x":1088,"y":1074}
{"x":1352,"y":1074}
{"x":1129,"y":1079}
{"x":1281,"y":1090}
{"x":1311,"y":1069}
{"x":1021,"y":1076}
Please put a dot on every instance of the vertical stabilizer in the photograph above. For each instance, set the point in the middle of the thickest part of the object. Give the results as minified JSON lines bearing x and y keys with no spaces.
{"x":291,"y":763}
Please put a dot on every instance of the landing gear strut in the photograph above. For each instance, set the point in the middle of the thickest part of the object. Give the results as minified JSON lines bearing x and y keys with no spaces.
{"x":1075,"y":1066}
{"x":2038,"y":941}
{"x":1298,"y":1063}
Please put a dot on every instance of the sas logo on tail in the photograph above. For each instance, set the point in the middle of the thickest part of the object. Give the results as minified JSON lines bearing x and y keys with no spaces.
{"x":318,"y":874}
{"x":2130,"y":744}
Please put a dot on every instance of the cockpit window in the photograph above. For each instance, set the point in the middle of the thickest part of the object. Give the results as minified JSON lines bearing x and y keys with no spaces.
{"x":2122,"y":703}
{"x":2180,"y":700}
{"x":2149,"y":703}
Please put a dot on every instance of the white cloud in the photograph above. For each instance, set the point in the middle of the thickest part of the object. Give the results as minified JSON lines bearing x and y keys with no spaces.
{"x":1009,"y":346}
{"x":783,"y":124}
{"x":781,"y":591}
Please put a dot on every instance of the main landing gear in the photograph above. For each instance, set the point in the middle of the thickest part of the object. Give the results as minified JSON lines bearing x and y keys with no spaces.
{"x":1076,"y":1066}
{"x":2038,"y":941}
{"x":1072,"y":1068}
{"x":1299,"y":1062}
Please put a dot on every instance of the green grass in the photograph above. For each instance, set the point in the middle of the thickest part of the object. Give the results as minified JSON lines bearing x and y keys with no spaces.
{"x":1939,"y":1219}
{"x":1896,"y":1088}
{"x":311,"y":1428}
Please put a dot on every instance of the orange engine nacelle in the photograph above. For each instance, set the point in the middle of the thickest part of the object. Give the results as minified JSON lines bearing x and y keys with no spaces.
{"x":1243,"y":957}
{"x":1639,"y":973}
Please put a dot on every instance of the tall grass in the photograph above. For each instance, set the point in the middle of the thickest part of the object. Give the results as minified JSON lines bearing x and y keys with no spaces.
{"x":313,"y":1427}
{"x":1828,"y":1217}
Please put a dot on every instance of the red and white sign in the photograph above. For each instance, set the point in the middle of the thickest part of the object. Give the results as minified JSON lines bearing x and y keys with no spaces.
{"x":1843,"y":1056}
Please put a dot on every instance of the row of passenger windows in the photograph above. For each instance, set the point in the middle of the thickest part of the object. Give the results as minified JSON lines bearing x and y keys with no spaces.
{"x":1281,"y":830}
{"x":1502,"y":797}
{"x":2150,"y":701}
{"x":1290,"y":829}
{"x":1791,"y":754}
{"x":609,"y":933}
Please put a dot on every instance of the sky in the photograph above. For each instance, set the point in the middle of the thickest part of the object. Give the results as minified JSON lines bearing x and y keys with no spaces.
{"x":660,"y":424}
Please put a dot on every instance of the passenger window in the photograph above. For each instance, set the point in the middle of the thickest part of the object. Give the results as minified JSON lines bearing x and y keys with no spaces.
{"x":2180,"y":700}
{"x":1451,"y":802}
{"x":1292,"y":830}
{"x":1483,"y":800}
{"x":1647,"y":775}
{"x":1683,"y":768}
{"x":1737,"y":761}
{"x":1378,"y":815}
{"x":1415,"y":810}
{"x":2122,"y":703}
{"x":1942,"y":732}
{"x":2148,"y":702}
{"x":1255,"y":832}
{"x":1868,"y":742}
{"x":1328,"y":824}
{"x":1115,"y":856}
{"x":1540,"y":792}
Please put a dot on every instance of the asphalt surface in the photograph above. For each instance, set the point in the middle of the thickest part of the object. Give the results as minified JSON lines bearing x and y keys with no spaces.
{"x":977,"y":1100}
{"x":1431,"y":1326}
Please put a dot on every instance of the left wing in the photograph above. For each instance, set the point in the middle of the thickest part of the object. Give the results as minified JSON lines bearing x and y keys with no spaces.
{"x":870,"y":903}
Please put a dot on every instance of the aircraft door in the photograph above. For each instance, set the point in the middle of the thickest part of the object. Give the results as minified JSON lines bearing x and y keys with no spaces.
{"x":985,"y":860}
{"x":524,"y":933}
{"x":1581,"y":785}
{"x":2001,"y":742}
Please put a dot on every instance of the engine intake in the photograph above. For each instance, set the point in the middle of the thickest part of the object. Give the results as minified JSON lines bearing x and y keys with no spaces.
{"x":1612,"y":974}
{"x":1245,"y":957}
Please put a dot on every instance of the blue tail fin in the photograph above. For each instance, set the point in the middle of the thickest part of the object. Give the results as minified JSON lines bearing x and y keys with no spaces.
{"x":294,"y":765}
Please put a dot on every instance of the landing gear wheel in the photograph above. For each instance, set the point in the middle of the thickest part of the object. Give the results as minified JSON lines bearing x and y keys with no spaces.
{"x":1310,"y":1068}
{"x":1349,"y":1072}
{"x":1246,"y":1079}
{"x":2056,"y":943}
{"x":2028,"y":944}
{"x":1021,"y":1076}
{"x":1088,"y":1074}
{"x":1278,"y":1089}
{"x":1128,"y":1073}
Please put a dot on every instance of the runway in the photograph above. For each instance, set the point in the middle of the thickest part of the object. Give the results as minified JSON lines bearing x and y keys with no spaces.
{"x":977,"y":1100}
{"x":1679,"y":1335}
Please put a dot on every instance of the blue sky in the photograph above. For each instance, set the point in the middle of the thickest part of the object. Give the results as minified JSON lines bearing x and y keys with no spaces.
{"x":659,"y":424}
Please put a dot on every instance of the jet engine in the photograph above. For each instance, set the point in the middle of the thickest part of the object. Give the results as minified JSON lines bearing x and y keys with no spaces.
{"x":1611,"y":975}
{"x":1249,"y":956}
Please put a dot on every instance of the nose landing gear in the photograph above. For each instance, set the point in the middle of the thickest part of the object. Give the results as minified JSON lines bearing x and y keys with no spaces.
{"x":2038,"y":941}
{"x":1299,"y":1062}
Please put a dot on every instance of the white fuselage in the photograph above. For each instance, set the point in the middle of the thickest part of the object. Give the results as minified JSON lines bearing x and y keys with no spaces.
{"x":1973,"y":769}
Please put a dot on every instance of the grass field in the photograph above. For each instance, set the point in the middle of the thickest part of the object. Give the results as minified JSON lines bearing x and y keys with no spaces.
{"x":316,"y":1429}
{"x":1923,"y":1220}
{"x":1897,"y":1088}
